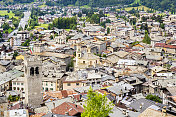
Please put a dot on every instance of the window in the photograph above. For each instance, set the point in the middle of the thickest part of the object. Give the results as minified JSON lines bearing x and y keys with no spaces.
{"x":21,"y":83}
{"x":14,"y":88}
{"x":18,"y":88}
{"x":77,"y":84}
{"x":51,"y":89}
{"x":84,"y":62}
{"x":22,"y":89}
{"x":32,"y":71}
{"x":51,"y":84}
{"x":46,"y":89}
{"x":37,"y":70}
{"x":18,"y":83}
{"x":46,"y":84}
{"x":68,"y":84}
{"x":14,"y":83}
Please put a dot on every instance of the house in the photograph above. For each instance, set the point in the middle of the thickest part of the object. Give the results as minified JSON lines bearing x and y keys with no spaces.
{"x":85,"y":60}
{"x":68,"y":108}
{"x":119,"y":90}
{"x":55,"y":115}
{"x":23,"y":35}
{"x":3,"y":105}
{"x":94,"y":30}
{"x":5,"y":65}
{"x":14,"y":41}
{"x":62,"y":57}
{"x":74,"y":80}
{"x":17,"y":113}
{"x":149,"y":112}
{"x":100,"y":46}
{"x":6,"y":78}
{"x":142,"y":104}
{"x":126,"y":62}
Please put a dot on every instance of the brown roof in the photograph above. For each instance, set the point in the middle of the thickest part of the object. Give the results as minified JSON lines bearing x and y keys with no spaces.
{"x":71,"y":92}
{"x":55,"y":94}
{"x":58,"y":94}
{"x":71,"y":108}
{"x":38,"y":115}
{"x":16,"y":106}
{"x":154,"y":113}
{"x":165,"y":45}
{"x":64,"y":93}
{"x":77,"y":97}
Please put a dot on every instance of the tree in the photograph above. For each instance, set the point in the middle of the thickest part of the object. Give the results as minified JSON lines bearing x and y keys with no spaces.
{"x":162,"y":25}
{"x":20,"y":28}
{"x":84,"y":25}
{"x":154,"y":98}
{"x":0,"y":35}
{"x":108,"y":30}
{"x":51,"y":37}
{"x":97,"y":105}
{"x":79,"y":14}
{"x":10,"y":98}
{"x":15,"y":54}
{"x":146,"y":39}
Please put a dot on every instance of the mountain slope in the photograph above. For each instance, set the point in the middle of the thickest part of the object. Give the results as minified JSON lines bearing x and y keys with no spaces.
{"x":160,"y":4}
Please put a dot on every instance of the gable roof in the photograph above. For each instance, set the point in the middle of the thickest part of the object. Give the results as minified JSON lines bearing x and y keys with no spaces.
{"x":154,"y":113}
{"x":145,"y":104}
{"x":71,"y":108}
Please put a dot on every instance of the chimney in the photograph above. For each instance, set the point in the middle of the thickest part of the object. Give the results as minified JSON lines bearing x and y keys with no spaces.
{"x":164,"y":113}
{"x":54,"y":105}
{"x":66,"y":113}
{"x":125,"y":113}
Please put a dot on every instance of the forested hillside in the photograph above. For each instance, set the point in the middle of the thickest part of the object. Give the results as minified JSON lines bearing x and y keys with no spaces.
{"x":154,"y":4}
{"x":92,"y":3}
{"x":16,"y":1}
{"x":160,"y":4}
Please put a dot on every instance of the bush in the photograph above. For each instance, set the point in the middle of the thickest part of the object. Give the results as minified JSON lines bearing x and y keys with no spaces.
{"x":154,"y":98}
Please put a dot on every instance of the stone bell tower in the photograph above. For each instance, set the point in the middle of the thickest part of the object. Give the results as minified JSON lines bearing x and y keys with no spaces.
{"x":33,"y":81}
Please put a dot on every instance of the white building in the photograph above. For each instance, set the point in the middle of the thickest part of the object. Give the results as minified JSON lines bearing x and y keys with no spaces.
{"x":126,"y":62}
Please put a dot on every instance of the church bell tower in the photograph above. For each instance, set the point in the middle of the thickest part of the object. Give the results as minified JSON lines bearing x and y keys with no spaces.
{"x":33,"y":81}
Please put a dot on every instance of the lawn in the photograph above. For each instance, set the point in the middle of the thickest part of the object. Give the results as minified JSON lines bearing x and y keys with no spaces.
{"x":139,"y":8}
{"x":70,"y":5}
{"x":42,"y":6}
{"x":9,"y":30}
{"x":85,"y":6}
{"x":68,"y":30}
{"x":5,"y":12}
{"x":136,"y":1}
{"x":107,"y":15}
{"x":43,"y":26}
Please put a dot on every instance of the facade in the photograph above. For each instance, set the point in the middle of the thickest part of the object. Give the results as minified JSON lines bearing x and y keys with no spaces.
{"x":23,"y":35}
{"x":86,"y":59}
{"x":33,"y":81}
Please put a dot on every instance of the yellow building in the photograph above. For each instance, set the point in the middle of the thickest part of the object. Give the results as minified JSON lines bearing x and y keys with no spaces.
{"x":85,"y":59}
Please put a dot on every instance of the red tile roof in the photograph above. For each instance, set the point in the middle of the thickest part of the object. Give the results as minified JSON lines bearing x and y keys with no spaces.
{"x":64,"y":93}
{"x":159,"y":44}
{"x":165,"y":46}
{"x":170,"y":46}
{"x":71,"y":108}
{"x":77,"y":97}
{"x":38,"y":115}
{"x":16,"y":106}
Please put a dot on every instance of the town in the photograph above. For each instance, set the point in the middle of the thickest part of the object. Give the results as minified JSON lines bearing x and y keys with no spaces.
{"x":72,"y":61}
